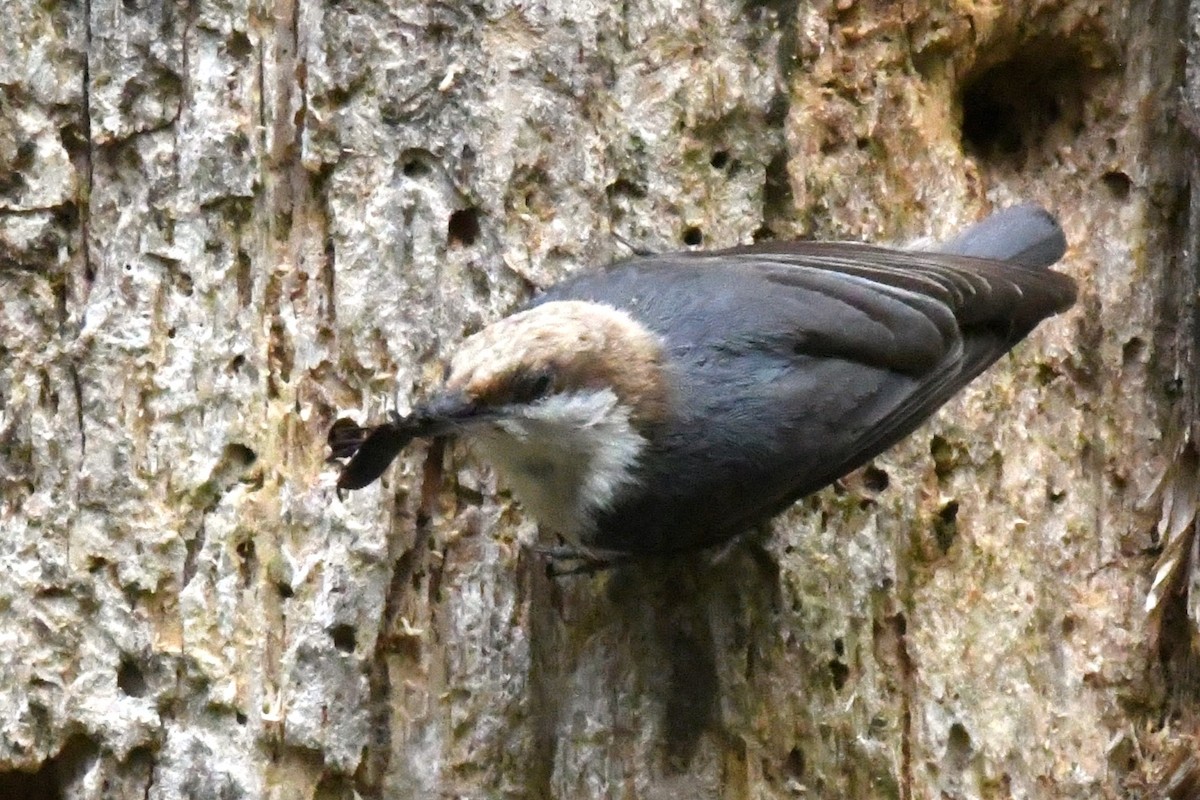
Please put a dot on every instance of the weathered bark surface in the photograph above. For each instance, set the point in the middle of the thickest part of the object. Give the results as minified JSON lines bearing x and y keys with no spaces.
{"x":224,"y":223}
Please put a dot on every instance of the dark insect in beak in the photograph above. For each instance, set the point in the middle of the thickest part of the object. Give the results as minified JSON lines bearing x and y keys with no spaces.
{"x":344,"y":439}
{"x":370,"y":450}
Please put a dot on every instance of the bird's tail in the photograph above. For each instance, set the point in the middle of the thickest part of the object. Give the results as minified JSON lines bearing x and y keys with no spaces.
{"x":1026,"y":234}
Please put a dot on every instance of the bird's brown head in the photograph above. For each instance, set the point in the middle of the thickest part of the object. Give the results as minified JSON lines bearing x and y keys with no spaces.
{"x":556,"y":349}
{"x":562,"y":398}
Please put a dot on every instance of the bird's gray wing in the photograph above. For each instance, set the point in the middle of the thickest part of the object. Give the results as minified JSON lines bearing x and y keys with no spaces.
{"x":947,"y":318}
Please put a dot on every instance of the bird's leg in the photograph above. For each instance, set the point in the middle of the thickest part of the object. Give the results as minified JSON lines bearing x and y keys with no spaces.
{"x":750,"y":540}
{"x":587,"y":562}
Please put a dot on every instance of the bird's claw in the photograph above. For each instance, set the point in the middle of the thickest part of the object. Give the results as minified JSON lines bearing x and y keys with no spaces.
{"x":587,"y":562}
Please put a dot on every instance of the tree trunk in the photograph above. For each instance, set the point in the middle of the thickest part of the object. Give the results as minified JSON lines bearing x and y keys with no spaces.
{"x":223,"y":224}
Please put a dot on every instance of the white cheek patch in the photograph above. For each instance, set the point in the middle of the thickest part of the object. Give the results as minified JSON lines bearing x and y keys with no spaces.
{"x":566,"y":457}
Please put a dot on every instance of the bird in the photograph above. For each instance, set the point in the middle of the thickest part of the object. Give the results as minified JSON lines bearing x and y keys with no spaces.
{"x":668,"y":403}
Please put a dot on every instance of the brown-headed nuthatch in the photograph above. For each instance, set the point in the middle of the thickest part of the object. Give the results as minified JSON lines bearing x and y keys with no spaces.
{"x":670,"y":402}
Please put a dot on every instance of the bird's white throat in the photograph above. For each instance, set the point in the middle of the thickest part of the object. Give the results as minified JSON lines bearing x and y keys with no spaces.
{"x":565,"y":457}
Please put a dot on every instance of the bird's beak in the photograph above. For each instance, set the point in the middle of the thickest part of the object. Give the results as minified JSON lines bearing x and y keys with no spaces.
{"x":447,"y":413}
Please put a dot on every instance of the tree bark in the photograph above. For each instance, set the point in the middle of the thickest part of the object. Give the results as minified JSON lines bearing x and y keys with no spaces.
{"x":223,"y":224}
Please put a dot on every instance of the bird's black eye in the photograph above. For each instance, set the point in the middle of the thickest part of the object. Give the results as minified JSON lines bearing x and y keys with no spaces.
{"x":533,"y":386}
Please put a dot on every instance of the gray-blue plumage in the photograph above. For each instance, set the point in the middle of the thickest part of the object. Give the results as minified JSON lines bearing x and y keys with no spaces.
{"x":791,"y":364}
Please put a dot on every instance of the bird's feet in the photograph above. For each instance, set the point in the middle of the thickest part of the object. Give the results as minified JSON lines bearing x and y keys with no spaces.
{"x":566,"y":559}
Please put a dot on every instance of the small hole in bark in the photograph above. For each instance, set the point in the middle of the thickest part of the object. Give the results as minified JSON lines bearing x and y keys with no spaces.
{"x":945,"y":528}
{"x":1045,"y":374}
{"x":719,"y":160}
{"x":875,"y":479}
{"x":1118,"y":184}
{"x":73,"y":140}
{"x":248,"y":562}
{"x":416,"y":162}
{"x":1131,"y":351}
{"x":463,"y":227}
{"x":238,"y":45}
{"x":344,"y":637}
{"x":414,"y":169}
{"x":958,"y":747}
{"x":625,"y":187}
{"x":838,"y":672}
{"x":140,"y":762}
{"x":794,"y":764}
{"x":942,"y":453}
{"x":130,"y":679}
{"x":692,"y":236}
{"x":239,"y":454}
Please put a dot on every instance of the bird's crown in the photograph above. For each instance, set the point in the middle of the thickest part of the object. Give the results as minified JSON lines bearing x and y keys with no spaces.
{"x":560,"y":348}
